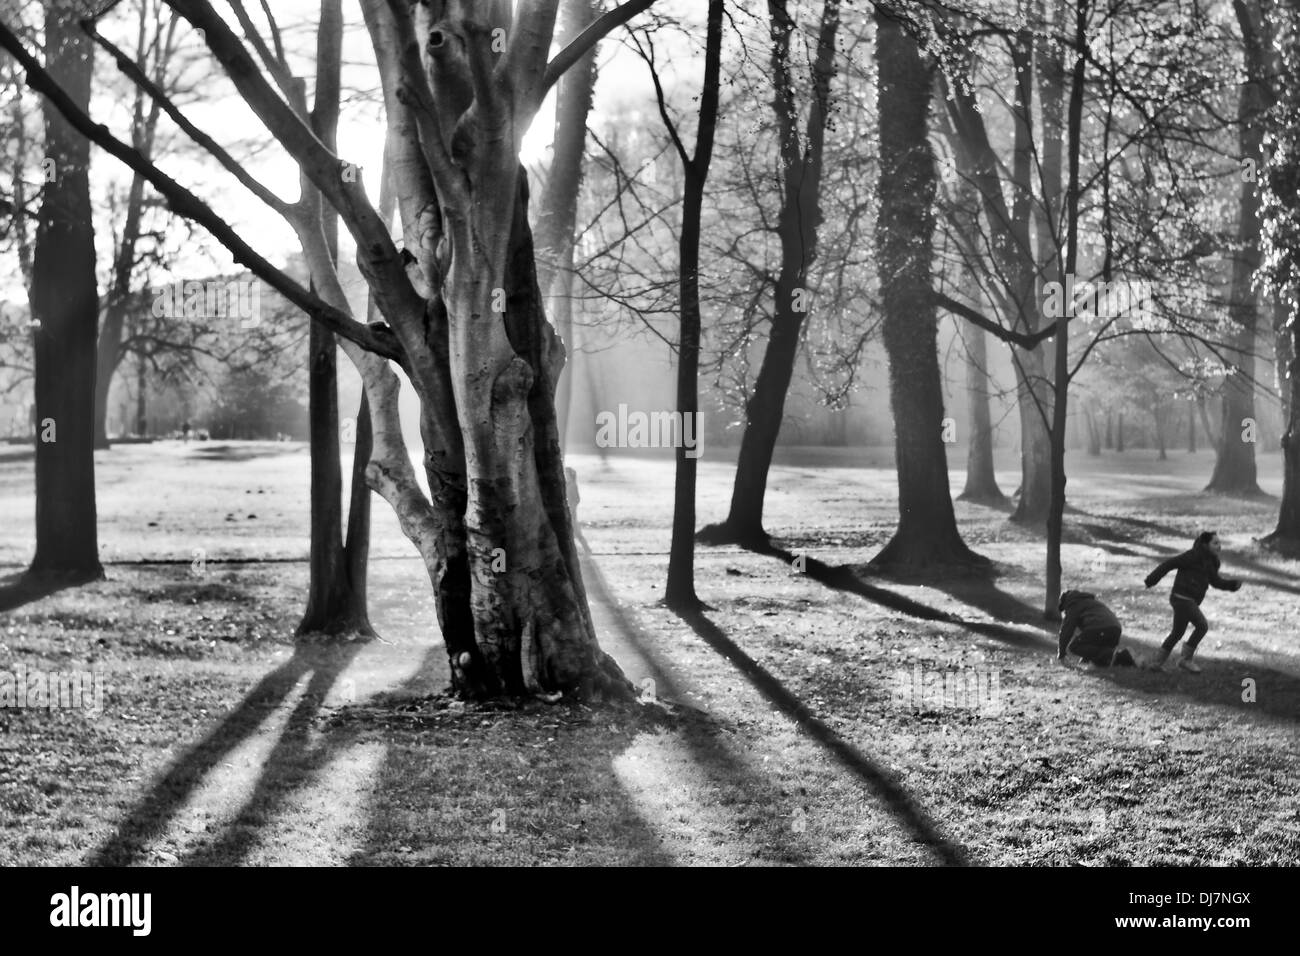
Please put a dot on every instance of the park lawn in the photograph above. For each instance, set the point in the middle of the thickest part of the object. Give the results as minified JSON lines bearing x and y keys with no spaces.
{"x":786,"y":741}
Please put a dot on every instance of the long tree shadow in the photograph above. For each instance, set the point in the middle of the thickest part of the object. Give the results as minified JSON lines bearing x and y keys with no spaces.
{"x":172,"y":789}
{"x":978,"y":591}
{"x":293,"y":762}
{"x":705,"y":748}
{"x":894,"y":796}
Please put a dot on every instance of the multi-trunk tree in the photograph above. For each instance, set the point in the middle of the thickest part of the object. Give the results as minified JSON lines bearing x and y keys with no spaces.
{"x":462,"y":318}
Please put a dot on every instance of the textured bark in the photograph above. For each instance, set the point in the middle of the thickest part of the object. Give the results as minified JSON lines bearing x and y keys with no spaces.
{"x":927,"y":527}
{"x":64,"y":301}
{"x":797,"y":225}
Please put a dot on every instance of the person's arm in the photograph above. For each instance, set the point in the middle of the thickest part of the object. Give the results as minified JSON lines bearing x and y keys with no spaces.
{"x":1164,"y":568}
{"x":1222,"y":583}
{"x":1067,"y":631}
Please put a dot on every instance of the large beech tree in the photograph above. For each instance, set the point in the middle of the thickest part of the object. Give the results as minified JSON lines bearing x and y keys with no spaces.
{"x":462,"y":316}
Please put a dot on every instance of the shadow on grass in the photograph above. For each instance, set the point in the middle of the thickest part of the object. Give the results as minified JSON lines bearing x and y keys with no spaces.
{"x":1277,"y":693}
{"x":22,"y":588}
{"x":242,"y":452}
{"x":170,"y":791}
{"x":895,"y":798}
{"x":977,"y":590}
{"x":292,"y":763}
{"x":706,"y":750}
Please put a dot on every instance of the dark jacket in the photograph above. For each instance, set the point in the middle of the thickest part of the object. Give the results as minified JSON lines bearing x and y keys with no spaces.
{"x":1197,"y":570}
{"x":1083,"y":611}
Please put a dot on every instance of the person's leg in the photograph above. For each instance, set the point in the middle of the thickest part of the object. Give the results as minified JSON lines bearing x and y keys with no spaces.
{"x":1199,"y":626}
{"x":1175,"y":634}
{"x":1182,"y":617}
{"x":1095,"y":646}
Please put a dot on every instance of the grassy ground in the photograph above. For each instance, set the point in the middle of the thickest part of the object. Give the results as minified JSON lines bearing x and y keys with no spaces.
{"x":222,"y":742}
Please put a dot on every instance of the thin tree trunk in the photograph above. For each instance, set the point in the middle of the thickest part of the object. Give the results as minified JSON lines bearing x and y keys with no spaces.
{"x":64,"y":301}
{"x":1191,"y":426}
{"x":141,"y":396}
{"x":1119,"y":431}
{"x":336,"y":597}
{"x":800,"y":218}
{"x":927,"y":527}
{"x":679,"y":592}
{"x":1061,"y":377}
{"x":1158,"y":416}
{"x":557,"y":215}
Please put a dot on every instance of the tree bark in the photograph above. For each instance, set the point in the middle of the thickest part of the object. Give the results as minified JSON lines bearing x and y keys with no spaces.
{"x":927,"y":528}
{"x":65,"y":303}
{"x":1191,"y":426}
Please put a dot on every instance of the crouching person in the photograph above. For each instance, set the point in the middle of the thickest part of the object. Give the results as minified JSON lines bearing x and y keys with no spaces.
{"x":1091,"y":631}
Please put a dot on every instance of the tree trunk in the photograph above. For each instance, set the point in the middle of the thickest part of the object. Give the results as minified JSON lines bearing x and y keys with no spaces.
{"x":1061,"y":376}
{"x":336,"y":596}
{"x":1191,"y":426}
{"x":557,"y":216}
{"x":64,"y":301}
{"x":1235,"y":471}
{"x":1119,"y":431}
{"x":927,"y":527}
{"x":141,"y":395}
{"x":800,"y":218}
{"x":679,"y":593}
{"x":1286,"y":535}
{"x":1158,"y":417}
{"x":981,"y":480}
{"x":1094,"y":433}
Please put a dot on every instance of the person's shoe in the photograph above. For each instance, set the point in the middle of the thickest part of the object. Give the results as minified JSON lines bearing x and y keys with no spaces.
{"x":1187,"y":664}
{"x":1157,"y":661}
{"x":1122,"y":658}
